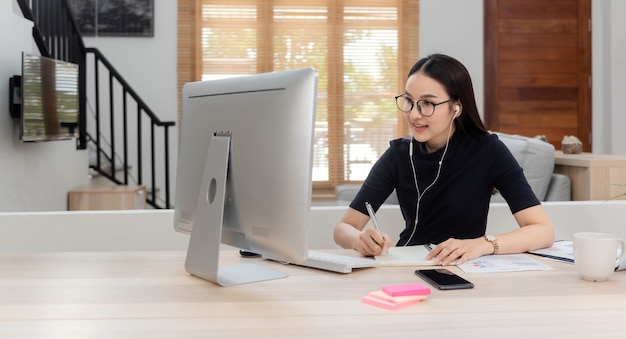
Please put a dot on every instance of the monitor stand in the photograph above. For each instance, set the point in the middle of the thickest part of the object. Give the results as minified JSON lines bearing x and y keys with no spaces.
{"x":206,"y":235}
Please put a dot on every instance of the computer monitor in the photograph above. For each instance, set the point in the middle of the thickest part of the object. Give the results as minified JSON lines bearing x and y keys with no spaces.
{"x":245,"y":171}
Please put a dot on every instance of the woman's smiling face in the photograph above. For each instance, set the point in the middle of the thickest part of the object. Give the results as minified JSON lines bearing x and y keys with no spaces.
{"x":433,"y":130}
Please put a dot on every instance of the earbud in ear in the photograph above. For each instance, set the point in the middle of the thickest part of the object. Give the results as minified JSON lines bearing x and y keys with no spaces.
{"x":457,"y":108}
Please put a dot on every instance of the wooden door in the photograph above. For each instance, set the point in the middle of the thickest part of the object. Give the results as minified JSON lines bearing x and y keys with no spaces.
{"x":538,"y":68}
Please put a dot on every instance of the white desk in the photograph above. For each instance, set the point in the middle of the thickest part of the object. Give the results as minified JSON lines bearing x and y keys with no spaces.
{"x":149,"y":295}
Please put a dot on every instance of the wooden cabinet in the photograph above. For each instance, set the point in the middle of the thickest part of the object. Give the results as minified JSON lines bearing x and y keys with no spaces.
{"x":118,"y":197}
{"x":593,"y":175}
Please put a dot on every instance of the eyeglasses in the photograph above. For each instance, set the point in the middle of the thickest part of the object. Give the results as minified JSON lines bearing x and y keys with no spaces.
{"x":424,"y":107}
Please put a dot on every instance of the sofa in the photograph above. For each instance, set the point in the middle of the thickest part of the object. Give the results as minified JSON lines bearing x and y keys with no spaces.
{"x":537,"y":159}
{"x":534,"y":155}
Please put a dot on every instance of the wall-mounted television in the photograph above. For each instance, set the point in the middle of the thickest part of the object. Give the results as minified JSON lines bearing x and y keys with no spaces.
{"x":46,"y":99}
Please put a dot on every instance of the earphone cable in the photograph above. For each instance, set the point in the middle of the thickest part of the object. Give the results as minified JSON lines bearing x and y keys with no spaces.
{"x":420,"y":195}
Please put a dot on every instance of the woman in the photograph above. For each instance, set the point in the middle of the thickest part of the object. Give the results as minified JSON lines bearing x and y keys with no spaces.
{"x":444,"y":176}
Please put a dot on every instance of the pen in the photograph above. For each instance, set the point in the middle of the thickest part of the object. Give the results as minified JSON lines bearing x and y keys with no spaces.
{"x":555,"y":257}
{"x":372,"y":215}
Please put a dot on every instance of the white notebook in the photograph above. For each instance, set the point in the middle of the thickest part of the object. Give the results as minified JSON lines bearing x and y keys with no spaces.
{"x":406,"y":256}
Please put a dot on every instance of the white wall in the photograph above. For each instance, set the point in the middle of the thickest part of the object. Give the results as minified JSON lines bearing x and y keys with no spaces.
{"x":35,"y":176}
{"x":455,"y":28}
{"x":609,"y":75}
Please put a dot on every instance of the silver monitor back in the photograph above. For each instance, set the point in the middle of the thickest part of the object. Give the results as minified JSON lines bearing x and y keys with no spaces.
{"x":270,"y":118}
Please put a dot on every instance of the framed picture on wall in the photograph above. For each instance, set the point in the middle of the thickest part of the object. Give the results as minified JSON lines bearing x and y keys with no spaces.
{"x":114,"y":17}
{"x":84,"y":13}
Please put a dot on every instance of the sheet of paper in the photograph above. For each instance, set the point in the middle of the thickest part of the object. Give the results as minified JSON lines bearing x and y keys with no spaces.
{"x":503,"y":263}
{"x":405,"y":256}
{"x":563,"y":250}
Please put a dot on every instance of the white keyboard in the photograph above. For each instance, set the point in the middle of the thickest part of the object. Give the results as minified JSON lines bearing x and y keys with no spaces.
{"x":337,"y":262}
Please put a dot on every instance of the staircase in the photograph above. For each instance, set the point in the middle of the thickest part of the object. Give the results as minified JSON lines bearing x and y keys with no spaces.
{"x":128,"y":143}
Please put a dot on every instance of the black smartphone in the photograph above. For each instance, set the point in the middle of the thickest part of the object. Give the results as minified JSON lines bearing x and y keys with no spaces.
{"x":443,"y":279}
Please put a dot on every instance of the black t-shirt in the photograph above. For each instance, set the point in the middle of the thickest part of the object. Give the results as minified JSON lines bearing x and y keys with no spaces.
{"x":456,"y":205}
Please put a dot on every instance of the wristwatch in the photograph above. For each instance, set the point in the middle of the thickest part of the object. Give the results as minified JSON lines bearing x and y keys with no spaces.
{"x":492,"y":239}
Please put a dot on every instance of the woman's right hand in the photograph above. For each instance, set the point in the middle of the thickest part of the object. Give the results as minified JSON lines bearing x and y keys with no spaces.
{"x":372,"y":243}
{"x":351,"y":232}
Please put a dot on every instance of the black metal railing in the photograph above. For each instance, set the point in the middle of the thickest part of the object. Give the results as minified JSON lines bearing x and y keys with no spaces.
{"x":118,"y":92}
{"x":57,"y":36}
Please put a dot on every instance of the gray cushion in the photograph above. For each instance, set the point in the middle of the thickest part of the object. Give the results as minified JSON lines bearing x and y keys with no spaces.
{"x":560,"y":188}
{"x":535,"y":156}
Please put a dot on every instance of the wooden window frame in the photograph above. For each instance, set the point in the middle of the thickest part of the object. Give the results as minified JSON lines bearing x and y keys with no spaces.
{"x":190,"y":68}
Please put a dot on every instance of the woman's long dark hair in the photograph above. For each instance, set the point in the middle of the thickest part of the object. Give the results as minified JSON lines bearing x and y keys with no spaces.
{"x":455,"y":78}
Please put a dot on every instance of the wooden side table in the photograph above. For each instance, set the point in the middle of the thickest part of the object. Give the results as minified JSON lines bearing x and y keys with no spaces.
{"x":115,"y":197}
{"x":593,"y":175}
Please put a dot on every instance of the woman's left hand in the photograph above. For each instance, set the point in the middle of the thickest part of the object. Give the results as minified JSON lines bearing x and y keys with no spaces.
{"x":460,"y":250}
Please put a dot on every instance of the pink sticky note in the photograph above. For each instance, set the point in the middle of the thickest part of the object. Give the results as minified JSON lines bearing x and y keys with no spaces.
{"x":406,"y":289}
{"x":371,"y":300}
{"x":397,"y":300}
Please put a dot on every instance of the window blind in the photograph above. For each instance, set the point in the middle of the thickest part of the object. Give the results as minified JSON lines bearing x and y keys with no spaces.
{"x":362,"y":50}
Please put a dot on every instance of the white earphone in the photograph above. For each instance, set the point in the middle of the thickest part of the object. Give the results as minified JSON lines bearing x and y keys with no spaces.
{"x":420,"y":194}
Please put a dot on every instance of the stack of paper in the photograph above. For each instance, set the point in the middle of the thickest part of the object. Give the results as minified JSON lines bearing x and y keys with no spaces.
{"x":563,"y":250}
{"x":392,"y":297}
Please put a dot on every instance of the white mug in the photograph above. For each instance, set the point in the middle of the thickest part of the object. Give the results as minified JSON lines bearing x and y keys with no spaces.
{"x":595,"y":254}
